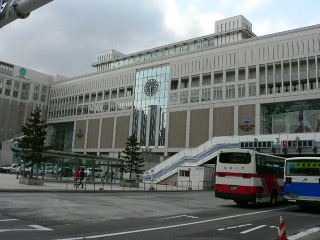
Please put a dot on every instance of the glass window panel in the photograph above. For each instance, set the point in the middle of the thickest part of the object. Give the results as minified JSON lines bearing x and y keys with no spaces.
{"x":205,"y":44}
{"x":191,"y":47}
{"x":197,"y":45}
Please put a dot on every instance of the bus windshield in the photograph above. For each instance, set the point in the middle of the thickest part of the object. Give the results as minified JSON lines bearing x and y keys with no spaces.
{"x":303,"y":168}
{"x":235,"y":158}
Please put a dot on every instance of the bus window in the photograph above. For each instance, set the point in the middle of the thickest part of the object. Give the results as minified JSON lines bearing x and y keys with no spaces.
{"x":303,"y":168}
{"x":235,"y":158}
{"x":269,"y":165}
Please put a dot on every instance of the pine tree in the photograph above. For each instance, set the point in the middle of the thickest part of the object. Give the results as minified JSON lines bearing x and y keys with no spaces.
{"x":32,"y":144}
{"x":132,"y":161}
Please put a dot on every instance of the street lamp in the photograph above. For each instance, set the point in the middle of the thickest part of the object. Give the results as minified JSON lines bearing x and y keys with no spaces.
{"x":152,"y":176}
{"x":189,"y":169}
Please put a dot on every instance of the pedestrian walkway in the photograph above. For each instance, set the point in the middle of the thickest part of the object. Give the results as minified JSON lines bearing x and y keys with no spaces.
{"x":9,"y":183}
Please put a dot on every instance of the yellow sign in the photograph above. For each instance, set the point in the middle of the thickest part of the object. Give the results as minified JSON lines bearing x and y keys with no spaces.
{"x":304,"y":164}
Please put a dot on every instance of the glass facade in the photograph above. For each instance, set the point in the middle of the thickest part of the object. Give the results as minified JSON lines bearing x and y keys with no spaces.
{"x":161,"y":53}
{"x":149,"y":121}
{"x":291,"y":117}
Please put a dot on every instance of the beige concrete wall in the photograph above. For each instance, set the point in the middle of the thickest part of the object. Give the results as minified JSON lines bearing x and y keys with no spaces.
{"x":93,"y":133}
{"x":79,"y":141}
{"x":107,"y":133}
{"x":177,"y":129}
{"x":122,"y":133}
{"x":199,"y":127}
{"x":223,"y":121}
{"x":250,"y":112}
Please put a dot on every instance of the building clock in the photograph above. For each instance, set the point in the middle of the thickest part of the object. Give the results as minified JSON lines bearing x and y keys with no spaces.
{"x":151,"y":87}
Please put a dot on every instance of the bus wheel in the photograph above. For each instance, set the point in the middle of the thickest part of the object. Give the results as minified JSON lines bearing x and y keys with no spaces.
{"x":240,"y":202}
{"x":273,"y":197}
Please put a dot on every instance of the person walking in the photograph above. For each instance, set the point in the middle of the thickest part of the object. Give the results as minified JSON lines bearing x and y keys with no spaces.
{"x":77,"y":177}
{"x":19,"y":170}
{"x":82,"y":176}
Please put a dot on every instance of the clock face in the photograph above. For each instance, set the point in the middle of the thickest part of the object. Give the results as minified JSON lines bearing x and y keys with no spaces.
{"x":151,"y":87}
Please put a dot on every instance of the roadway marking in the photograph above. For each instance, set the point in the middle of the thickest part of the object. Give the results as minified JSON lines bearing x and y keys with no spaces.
{"x":305,"y":233}
{"x":253,"y":229}
{"x":34,"y":228}
{"x":172,"y":226}
{"x":222,"y":229}
{"x":5,"y":220}
{"x":177,"y":217}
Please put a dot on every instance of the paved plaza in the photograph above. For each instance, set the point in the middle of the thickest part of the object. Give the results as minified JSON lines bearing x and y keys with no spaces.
{"x":8,"y":182}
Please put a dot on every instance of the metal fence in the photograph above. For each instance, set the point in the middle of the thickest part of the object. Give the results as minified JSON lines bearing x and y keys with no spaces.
{"x":103,"y":184}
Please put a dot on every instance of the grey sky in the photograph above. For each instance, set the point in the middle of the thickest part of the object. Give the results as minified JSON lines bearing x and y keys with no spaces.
{"x":65,"y":36}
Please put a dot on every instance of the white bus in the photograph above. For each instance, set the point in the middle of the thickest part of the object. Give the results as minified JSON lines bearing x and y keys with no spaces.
{"x":249,"y":176}
{"x":302,"y":181}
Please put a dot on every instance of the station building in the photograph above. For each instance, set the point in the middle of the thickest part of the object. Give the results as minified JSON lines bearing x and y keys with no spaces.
{"x":177,"y":96}
{"x":180,"y":96}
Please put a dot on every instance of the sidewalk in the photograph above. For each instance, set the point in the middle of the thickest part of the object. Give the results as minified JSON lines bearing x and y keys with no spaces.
{"x":9,"y":183}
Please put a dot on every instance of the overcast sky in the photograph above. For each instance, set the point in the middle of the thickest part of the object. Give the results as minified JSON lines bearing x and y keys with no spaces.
{"x":65,"y":36}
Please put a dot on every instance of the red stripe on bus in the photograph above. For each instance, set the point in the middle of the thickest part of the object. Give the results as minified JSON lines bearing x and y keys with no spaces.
{"x":249,"y":174}
{"x":240,"y":189}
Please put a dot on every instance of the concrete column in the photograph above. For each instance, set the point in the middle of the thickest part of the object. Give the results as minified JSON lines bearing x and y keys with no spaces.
{"x":114,"y":132}
{"x":188,"y":129}
{"x":86,"y":136}
{"x":211,"y":122}
{"x":99,"y":137}
{"x":257,"y":120}
{"x":236,"y":120}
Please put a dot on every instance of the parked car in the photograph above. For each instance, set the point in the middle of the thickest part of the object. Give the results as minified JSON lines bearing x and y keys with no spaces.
{"x":66,"y":172}
{"x":12,"y":168}
{"x":98,"y":172}
{"x":35,"y":170}
{"x":4,"y":168}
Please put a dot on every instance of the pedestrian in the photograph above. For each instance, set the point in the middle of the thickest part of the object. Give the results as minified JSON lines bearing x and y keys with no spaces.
{"x":77,"y":177}
{"x":82,"y":176}
{"x":19,"y":170}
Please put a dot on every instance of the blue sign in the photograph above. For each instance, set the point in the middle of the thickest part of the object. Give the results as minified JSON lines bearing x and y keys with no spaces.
{"x":246,"y":120}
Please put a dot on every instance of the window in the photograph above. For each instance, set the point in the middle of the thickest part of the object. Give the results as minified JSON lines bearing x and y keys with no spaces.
{"x":36,"y":91}
{"x":79,"y":110}
{"x":184,"y":97}
{"x":194,"y":96}
{"x":1,"y":83}
{"x":112,"y":106}
{"x":230,"y":91}
{"x":174,"y":98}
{"x":184,"y":82}
{"x":8,"y":87}
{"x":235,"y":158}
{"x":184,"y":173}
{"x":217,"y":93}
{"x":105,"y":106}
{"x":303,"y":168}
{"x":93,"y":97}
{"x":43,"y":93}
{"x":269,"y":165}
{"x":99,"y":98}
{"x":129,"y":91}
{"x":241,"y":90}
{"x":25,"y":91}
{"x":16,"y":89}
{"x":206,"y":94}
{"x":252,"y":89}
{"x":106,"y":94}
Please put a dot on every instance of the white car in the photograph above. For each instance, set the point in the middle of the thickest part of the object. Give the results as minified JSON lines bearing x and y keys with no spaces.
{"x":13,"y":168}
{"x":98,"y":172}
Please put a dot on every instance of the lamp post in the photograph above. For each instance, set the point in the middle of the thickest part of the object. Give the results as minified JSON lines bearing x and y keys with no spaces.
{"x":189,"y":188}
{"x":152,"y":176}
